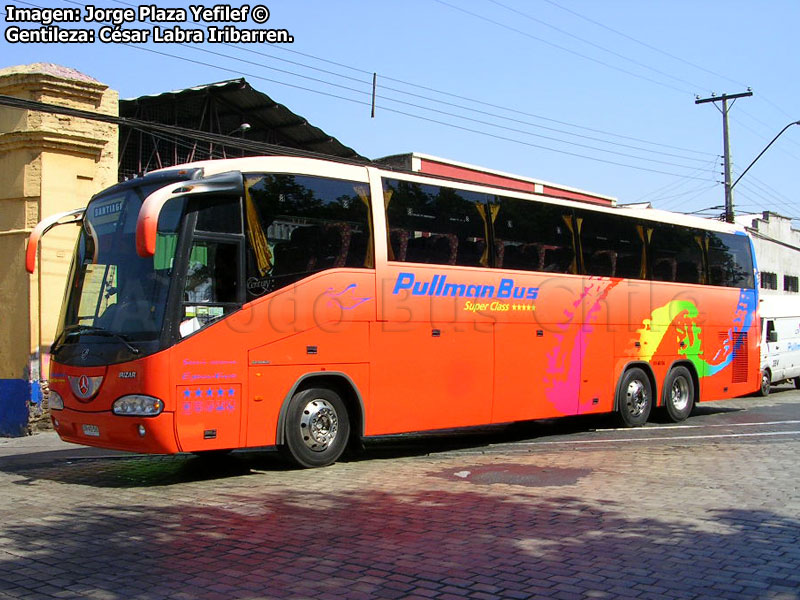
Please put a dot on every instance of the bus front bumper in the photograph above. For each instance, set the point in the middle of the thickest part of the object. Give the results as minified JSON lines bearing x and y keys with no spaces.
{"x":151,"y":435}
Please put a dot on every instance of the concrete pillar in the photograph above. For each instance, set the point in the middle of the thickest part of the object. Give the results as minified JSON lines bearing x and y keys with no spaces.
{"x":48,"y":164}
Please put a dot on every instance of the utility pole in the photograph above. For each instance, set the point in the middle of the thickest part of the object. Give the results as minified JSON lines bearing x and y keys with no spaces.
{"x":726,"y":145}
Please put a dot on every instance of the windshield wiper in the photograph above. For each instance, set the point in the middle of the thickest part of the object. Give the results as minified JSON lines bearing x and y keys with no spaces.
{"x":79,"y":329}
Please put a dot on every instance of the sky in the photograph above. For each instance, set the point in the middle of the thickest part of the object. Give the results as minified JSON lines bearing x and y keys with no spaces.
{"x":596,"y":95}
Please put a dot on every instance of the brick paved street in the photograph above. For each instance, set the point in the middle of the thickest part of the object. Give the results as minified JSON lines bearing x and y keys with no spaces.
{"x":563,"y":511}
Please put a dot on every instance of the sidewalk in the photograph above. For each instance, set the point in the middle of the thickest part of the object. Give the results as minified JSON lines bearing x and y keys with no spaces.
{"x":44,"y":447}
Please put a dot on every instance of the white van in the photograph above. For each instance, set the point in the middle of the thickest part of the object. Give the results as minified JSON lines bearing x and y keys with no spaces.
{"x":780,"y":340}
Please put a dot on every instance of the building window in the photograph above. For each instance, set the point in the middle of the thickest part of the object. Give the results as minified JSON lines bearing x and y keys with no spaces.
{"x":789,"y":283}
{"x":769,"y":281}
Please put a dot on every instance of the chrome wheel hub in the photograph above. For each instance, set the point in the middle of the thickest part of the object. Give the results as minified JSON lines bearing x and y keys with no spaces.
{"x":319,"y":424}
{"x":636,"y":398}
{"x":679,"y":394}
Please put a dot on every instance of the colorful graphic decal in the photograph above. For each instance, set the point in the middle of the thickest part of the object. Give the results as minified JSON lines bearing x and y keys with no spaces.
{"x":690,"y":336}
{"x":562,"y":380}
{"x":346,"y":299}
{"x":563,"y":377}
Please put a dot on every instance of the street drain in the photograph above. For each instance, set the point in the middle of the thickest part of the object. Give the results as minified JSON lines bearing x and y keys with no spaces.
{"x":513,"y":474}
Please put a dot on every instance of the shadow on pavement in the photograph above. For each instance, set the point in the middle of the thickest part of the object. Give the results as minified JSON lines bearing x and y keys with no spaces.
{"x":104,"y":468}
{"x":358,"y":545}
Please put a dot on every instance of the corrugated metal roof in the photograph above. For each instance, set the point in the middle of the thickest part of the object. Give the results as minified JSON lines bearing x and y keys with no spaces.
{"x":235,"y":102}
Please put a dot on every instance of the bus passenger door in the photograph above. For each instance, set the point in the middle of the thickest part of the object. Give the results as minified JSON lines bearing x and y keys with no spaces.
{"x":209,"y":286}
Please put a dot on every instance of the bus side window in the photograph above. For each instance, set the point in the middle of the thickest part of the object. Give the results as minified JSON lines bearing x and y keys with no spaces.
{"x":612,"y":246}
{"x":436,"y":225}
{"x":730,"y":262}
{"x":220,"y":217}
{"x":211,"y":287}
{"x":212,"y":273}
{"x":676,"y":254}
{"x":533,"y":236}
{"x":298,"y":225}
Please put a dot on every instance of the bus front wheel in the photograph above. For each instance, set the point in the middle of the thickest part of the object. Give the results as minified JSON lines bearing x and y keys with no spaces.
{"x":678,"y":394}
{"x":317,"y":428}
{"x":634,"y":398}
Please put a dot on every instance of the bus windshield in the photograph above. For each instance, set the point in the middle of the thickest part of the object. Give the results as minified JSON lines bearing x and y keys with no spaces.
{"x":114,"y":296}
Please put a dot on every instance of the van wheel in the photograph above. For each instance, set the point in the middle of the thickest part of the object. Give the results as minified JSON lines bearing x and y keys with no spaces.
{"x":797,"y":382}
{"x":317,"y":428}
{"x":679,"y":394}
{"x":766,"y":381}
{"x":634,"y":398}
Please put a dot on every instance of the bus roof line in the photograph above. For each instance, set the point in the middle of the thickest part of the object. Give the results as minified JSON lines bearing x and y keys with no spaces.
{"x":247,"y":164}
{"x":43,"y":227}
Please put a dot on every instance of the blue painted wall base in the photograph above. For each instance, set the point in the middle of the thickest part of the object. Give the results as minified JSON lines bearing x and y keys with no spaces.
{"x":14,"y":397}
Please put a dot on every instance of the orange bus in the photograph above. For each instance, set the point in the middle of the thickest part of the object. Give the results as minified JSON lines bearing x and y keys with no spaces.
{"x":305,"y":303}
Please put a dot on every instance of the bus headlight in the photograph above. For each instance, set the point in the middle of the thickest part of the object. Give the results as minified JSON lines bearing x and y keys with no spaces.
{"x":55,"y":401}
{"x":137,"y":405}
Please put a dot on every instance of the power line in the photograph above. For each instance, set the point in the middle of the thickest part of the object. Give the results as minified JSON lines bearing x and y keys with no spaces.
{"x":562,"y":48}
{"x":690,"y":199}
{"x":598,"y":46}
{"x":665,"y":53}
{"x":680,"y":182}
{"x":769,"y":188}
{"x":461,"y":107}
{"x":449,"y":114}
{"x":646,"y":45}
{"x":673,"y":197}
{"x":411,"y":115}
{"x":467,"y":129}
{"x":764,"y":137}
{"x":480,"y":102}
{"x":750,"y":188}
{"x":445,"y":113}
{"x":163,"y":128}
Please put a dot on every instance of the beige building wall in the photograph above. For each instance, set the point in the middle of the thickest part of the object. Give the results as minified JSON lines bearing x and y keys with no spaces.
{"x":48,"y":164}
{"x":777,"y":246}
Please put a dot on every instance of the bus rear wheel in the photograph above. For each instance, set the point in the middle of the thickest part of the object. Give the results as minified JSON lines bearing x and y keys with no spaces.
{"x":634,"y":398}
{"x":679,"y":394}
{"x":317,"y":428}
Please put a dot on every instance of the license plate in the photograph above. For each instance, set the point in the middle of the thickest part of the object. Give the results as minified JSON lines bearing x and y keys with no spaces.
{"x":91,"y":430}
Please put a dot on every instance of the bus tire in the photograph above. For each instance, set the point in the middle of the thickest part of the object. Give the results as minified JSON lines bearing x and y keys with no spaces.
{"x":317,"y":428}
{"x":634,"y":398}
{"x":766,"y":382}
{"x":797,"y":382}
{"x":678,"y":394}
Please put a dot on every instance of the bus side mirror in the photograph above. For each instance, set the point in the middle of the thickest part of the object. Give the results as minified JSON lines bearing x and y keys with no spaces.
{"x":43,"y":227}
{"x":772,"y":336}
